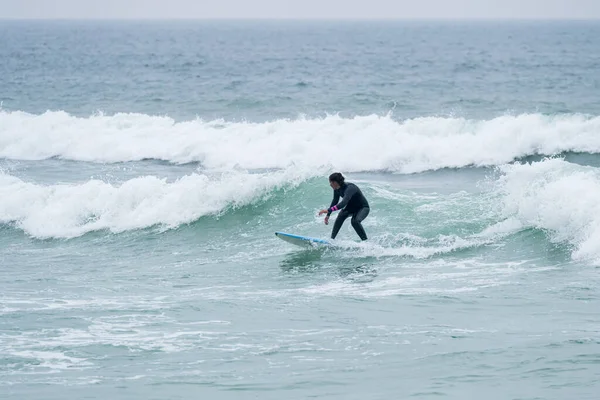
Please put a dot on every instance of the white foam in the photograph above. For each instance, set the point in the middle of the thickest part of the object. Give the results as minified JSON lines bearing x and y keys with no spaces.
{"x":503,"y":228}
{"x":51,"y":359}
{"x":418,"y":247}
{"x":368,"y":143}
{"x":136,"y":332}
{"x":70,"y":210}
{"x":558,"y":197}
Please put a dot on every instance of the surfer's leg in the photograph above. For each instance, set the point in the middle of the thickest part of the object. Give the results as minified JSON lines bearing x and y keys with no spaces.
{"x":338,"y":222}
{"x":356,"y":222}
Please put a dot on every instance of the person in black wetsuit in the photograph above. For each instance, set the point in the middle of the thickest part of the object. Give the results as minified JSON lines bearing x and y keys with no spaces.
{"x":353,"y":204}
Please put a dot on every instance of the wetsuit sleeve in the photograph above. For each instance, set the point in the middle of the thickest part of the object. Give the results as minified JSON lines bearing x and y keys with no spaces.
{"x":350,"y":191}
{"x":336,"y":198}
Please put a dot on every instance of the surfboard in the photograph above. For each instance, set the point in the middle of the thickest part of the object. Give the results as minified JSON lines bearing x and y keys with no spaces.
{"x":302,"y":241}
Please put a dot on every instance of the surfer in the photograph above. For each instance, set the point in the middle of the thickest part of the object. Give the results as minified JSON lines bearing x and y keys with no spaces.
{"x":353,"y":204}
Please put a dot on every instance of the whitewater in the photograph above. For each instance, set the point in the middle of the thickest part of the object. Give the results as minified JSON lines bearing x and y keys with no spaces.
{"x":363,"y":143}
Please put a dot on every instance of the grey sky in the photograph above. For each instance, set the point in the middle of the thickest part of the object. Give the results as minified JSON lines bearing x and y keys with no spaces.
{"x":300,"y":9}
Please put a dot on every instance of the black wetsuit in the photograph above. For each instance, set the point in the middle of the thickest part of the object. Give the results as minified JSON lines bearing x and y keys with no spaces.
{"x":354,"y":203}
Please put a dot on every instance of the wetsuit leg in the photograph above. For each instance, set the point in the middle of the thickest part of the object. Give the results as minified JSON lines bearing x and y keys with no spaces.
{"x":356,"y":222}
{"x":339,"y":222}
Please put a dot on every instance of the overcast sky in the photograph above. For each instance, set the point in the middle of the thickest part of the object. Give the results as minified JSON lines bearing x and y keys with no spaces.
{"x":330,"y":9}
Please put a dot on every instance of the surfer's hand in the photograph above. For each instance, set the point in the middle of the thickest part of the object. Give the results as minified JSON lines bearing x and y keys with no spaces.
{"x":322,"y":212}
{"x":327,"y":220}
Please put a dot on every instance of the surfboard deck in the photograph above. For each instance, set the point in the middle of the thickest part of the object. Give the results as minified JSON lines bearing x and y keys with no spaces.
{"x":302,"y":241}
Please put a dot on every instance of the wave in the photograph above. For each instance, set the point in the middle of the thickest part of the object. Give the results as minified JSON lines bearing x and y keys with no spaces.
{"x":367,"y":143}
{"x":71,"y":210}
{"x":558,"y":197}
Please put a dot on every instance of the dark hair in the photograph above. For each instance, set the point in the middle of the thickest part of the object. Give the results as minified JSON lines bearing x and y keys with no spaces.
{"x":337,"y":177}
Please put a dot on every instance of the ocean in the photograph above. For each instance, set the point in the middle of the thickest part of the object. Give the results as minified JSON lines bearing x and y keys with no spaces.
{"x":146,"y":165}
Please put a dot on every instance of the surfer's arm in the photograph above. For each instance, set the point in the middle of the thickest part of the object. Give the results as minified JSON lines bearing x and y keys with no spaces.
{"x":336,"y":198}
{"x":350,"y":191}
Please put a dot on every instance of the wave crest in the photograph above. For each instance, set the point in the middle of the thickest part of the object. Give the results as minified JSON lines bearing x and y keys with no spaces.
{"x":369,"y":143}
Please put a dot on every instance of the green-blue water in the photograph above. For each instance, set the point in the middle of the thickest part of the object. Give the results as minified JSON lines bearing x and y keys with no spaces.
{"x":145,"y":166}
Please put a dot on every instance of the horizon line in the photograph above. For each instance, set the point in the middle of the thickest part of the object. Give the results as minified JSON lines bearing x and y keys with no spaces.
{"x":280,"y":18}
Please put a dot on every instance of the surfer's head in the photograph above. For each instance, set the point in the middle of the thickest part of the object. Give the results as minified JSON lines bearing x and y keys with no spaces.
{"x":336,"y":180}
